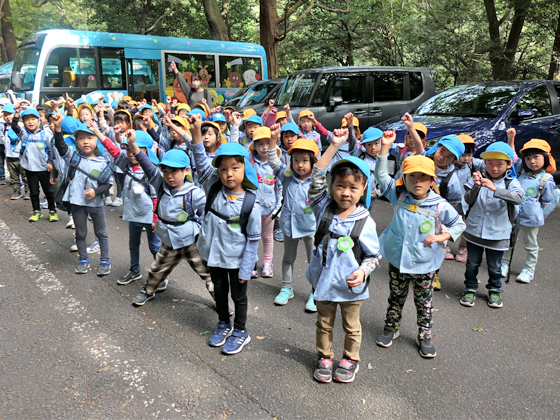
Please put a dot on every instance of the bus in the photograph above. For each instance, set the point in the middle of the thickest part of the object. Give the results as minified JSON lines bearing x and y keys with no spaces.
{"x":5,"y":77}
{"x":53,"y":63}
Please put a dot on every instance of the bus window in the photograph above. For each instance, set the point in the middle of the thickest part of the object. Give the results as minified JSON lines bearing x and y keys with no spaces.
{"x":188,"y":64}
{"x":145,"y":74}
{"x":112,"y":63}
{"x":236,"y":72}
{"x":26,"y":64}
{"x":71,"y":68}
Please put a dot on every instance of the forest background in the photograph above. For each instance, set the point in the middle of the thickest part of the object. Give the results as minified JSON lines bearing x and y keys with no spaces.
{"x":463,"y":40}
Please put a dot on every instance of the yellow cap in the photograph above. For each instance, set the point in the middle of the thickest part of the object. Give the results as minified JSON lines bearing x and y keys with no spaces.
{"x":465,"y":139}
{"x":417,"y":163}
{"x":181,"y":121}
{"x":281,"y":114}
{"x":537,"y":144}
{"x":127,"y":98}
{"x":201,"y":107}
{"x":124,"y":111}
{"x":217,"y":127}
{"x":141,"y":117}
{"x":249,"y":112}
{"x":88,"y":106}
{"x":420,"y":127}
{"x":262,"y":133}
{"x":304,"y":144}
{"x":355,"y":122}
{"x":305,"y":113}
{"x":182,"y":106}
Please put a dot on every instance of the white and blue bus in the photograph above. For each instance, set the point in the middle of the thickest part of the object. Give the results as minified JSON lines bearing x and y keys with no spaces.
{"x":51,"y":63}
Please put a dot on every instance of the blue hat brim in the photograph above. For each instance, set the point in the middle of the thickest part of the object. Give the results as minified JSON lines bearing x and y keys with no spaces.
{"x":372,"y":134}
{"x":451,"y":143}
{"x":290,"y":127}
{"x":364,"y":167}
{"x":250,"y":181}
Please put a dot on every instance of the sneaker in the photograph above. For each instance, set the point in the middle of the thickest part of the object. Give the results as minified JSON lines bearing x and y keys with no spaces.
{"x":461,"y":255}
{"x":210,"y":288}
{"x":468,"y":297}
{"x":494,"y":299}
{"x":129,"y":277}
{"x":223,"y":332}
{"x":346,"y":370}
{"x":236,"y":342}
{"x":427,"y":349}
{"x":525,"y":276}
{"x":323,"y":373}
{"x":448,"y":255}
{"x":278,"y":235}
{"x":310,"y":306}
{"x":385,"y":339}
{"x":37,"y":214}
{"x":70,"y":224}
{"x":284,"y":296}
{"x":117,"y":202}
{"x":108,"y":201}
{"x":74,"y":246}
{"x":254,"y":274}
{"x":15,"y":196}
{"x":2,"y":181}
{"x":83,"y":266}
{"x":437,"y":284}
{"x":26,"y":197}
{"x":53,"y":216}
{"x":505,"y":268}
{"x":44,"y":204}
{"x":267,"y":271}
{"x":104,"y":268}
{"x":162,"y":286}
{"x":94,"y":247}
{"x":142,"y":297}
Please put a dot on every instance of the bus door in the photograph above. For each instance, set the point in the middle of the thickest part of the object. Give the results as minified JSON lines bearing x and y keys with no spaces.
{"x":143,"y":68}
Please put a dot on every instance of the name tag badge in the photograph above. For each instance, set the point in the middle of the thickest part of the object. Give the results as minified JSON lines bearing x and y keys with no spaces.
{"x":345,"y":243}
{"x":95,"y":173}
{"x":40,"y":145}
{"x":235,"y":225}
{"x":426,"y":226}
{"x":308,"y":210}
{"x":138,"y":189}
{"x":182,"y":217}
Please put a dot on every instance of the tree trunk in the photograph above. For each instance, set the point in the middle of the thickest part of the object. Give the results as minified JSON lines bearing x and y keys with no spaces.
{"x":269,"y":29}
{"x":521,"y":7}
{"x":8,"y":32}
{"x":218,"y":27}
{"x":554,"y":68}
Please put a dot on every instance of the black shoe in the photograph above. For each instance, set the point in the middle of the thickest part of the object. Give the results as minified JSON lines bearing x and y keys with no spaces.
{"x":129,"y":277}
{"x":142,"y":297}
{"x":346,"y":370}
{"x":385,"y":339}
{"x":323,"y":373}
{"x":427,"y":349}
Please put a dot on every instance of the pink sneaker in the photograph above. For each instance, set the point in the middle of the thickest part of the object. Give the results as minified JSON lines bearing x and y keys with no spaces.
{"x":448,"y":255}
{"x":461,"y":255}
{"x":267,"y":270}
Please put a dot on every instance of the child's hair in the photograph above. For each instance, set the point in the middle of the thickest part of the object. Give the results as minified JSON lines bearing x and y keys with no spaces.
{"x":238,"y":159}
{"x":348,"y":168}
{"x":311,"y":155}
{"x":469,"y":148}
{"x":122,"y":116}
{"x":532,"y":152}
{"x":205,"y":129}
{"x":44,"y":107}
{"x":137,"y":124}
{"x":195,"y":76}
{"x":122,"y":105}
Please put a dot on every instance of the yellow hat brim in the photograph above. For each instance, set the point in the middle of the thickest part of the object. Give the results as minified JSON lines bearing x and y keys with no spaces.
{"x":495,"y":155}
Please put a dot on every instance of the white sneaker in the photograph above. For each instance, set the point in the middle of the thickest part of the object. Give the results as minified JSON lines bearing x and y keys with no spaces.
{"x":505,"y":268}
{"x":70,"y":224}
{"x":117,"y":202}
{"x":74,"y":247}
{"x":94,"y":247}
{"x":108,"y":201}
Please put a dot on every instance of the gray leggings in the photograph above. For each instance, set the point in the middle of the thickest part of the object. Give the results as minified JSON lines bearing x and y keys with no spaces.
{"x":290,"y":254}
{"x":80,"y":215}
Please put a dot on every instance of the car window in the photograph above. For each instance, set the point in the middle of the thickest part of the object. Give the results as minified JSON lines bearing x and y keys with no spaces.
{"x":557,"y":87}
{"x":321,"y":91}
{"x":538,"y":101}
{"x":416,"y":87}
{"x":388,"y":87}
{"x":297,"y":89}
{"x":257,"y":94}
{"x":351,"y":87}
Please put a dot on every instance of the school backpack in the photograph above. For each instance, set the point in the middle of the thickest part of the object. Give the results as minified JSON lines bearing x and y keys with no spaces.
{"x":444,"y":184}
{"x":439,"y":227}
{"x":544,"y":177}
{"x":187,"y":208}
{"x":323,"y":235}
{"x":246,"y":207}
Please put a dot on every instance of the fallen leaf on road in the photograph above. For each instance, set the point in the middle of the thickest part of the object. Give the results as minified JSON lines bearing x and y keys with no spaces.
{"x":447,"y":297}
{"x":255,"y":308}
{"x":104,"y":369}
{"x":409,"y":370}
{"x":260,"y":337}
{"x":151,"y":328}
{"x":478,"y":329}
{"x":363,"y":400}
{"x":205,"y":333}
{"x":175,"y":300}
{"x":43,"y":243}
{"x":2,"y":285}
{"x":369,"y":366}
{"x":436,"y":310}
{"x":182,"y":300}
{"x":287,"y":350}
{"x":154,"y":322}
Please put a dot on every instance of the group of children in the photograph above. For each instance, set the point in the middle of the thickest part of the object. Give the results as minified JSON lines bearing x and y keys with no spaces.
{"x":207,"y":192}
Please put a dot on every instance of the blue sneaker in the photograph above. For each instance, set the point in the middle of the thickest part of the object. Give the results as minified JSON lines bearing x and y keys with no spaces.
{"x":310,"y":306}
{"x":278,"y":235}
{"x":236,"y":342}
{"x":284,"y":296}
{"x":104,"y":268}
{"x":94,"y":247}
{"x":83,"y":266}
{"x":221,"y":335}
{"x":44,"y":204}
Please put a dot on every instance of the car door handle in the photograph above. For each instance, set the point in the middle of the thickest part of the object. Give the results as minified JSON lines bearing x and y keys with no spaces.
{"x":376,"y":112}
{"x":360,"y":112}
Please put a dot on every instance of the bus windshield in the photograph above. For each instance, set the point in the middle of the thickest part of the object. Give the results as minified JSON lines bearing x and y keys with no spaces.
{"x":26,"y":64}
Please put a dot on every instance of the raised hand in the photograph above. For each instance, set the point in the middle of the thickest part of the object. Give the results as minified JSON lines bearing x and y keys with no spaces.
{"x":274,"y":131}
{"x":173,"y":68}
{"x":236,"y":116}
{"x":477,"y":178}
{"x":388,"y":137}
{"x":408,"y":120}
{"x":349,"y":119}
{"x":340,"y":136}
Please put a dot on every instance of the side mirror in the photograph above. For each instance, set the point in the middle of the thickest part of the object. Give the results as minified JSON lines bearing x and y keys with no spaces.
{"x":16,"y":80}
{"x":524,"y":114}
{"x":335,"y":101}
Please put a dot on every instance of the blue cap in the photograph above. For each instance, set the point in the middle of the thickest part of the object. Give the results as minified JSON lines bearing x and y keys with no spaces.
{"x":143,"y":139}
{"x":451,"y":143}
{"x":219,"y":118}
{"x":82,"y":127}
{"x":500,"y":150}
{"x":114,"y":104}
{"x":255,"y":119}
{"x":250,"y":182}
{"x":364,"y":167}
{"x":69,"y":125}
{"x":30,"y":111}
{"x":290,"y":127}
{"x":372,"y":134}
{"x":176,"y":158}
{"x":154,"y":115}
{"x":9,"y":108}
{"x":198,"y":111}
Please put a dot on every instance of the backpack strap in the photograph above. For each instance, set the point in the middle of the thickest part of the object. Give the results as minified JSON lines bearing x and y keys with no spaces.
{"x":402,"y":154}
{"x":74,"y":163}
{"x":187,"y":207}
{"x":414,"y":208}
{"x":443,"y":185}
{"x":246,"y":207}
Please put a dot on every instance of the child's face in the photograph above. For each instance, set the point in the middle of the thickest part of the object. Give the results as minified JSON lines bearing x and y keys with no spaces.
{"x":496,"y":168}
{"x":86,"y":142}
{"x":231,"y":173}
{"x":148,"y":112}
{"x":261,"y":147}
{"x":306,"y":124}
{"x":408,"y":141}
{"x":85,"y":115}
{"x":175,"y":177}
{"x":443,"y":157}
{"x":223,"y":126}
{"x":282,"y":121}
{"x":31,"y":122}
{"x":123,"y":125}
{"x":250,"y":128}
{"x":288,"y":138}
{"x":175,"y":136}
{"x":210,"y":141}
{"x":418,"y":184}
{"x":301,"y":164}
{"x":535,"y":163}
{"x":465,"y":159}
{"x":183,"y":113}
{"x":8,"y":117}
{"x":131,"y":157}
{"x":347,"y":191}
{"x":372,"y":148}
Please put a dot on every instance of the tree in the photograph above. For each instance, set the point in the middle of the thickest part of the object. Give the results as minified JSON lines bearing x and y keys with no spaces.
{"x":218,"y":27}
{"x":8,"y":37}
{"x":554,"y":67}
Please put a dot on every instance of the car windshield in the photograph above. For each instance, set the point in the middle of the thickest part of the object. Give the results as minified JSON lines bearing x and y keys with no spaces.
{"x":26,"y":63}
{"x":297,"y":89}
{"x":241,"y":92}
{"x":257,"y":94}
{"x":463,"y":101}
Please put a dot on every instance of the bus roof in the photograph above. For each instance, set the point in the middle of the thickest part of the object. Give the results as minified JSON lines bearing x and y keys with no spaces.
{"x":6,"y":68}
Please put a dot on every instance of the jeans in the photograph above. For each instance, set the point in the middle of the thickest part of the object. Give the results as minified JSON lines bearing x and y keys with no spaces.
{"x":494,"y":262}
{"x":134,"y":238}
{"x":80,"y":215}
{"x":223,"y":280}
{"x":531,"y":247}
{"x":42,"y":178}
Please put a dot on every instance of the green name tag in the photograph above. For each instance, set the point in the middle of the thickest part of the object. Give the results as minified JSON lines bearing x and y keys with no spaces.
{"x":95,"y":173}
{"x":182,"y":217}
{"x":345,"y":243}
{"x":426,"y":226}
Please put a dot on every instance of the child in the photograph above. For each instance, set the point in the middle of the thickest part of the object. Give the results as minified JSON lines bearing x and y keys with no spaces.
{"x":179,"y":206}
{"x":371,"y":144}
{"x":251,"y":124}
{"x":539,"y":187}
{"x":89,"y":176}
{"x":465,"y":166}
{"x":491,"y":197}
{"x":348,"y":148}
{"x":269,"y":195}
{"x":296,"y":221}
{"x":311,"y":128}
{"x":35,"y":159}
{"x":411,"y":242}
{"x":230,"y":234}
{"x":140,"y":199}
{"x":347,"y":251}
{"x":289,"y":134}
{"x":414,"y":142}
{"x":12,"y":144}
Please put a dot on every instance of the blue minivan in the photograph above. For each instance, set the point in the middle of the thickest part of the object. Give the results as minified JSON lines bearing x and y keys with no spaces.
{"x":486,"y":110}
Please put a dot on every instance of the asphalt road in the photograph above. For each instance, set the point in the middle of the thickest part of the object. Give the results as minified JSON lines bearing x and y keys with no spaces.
{"x":74,"y":347}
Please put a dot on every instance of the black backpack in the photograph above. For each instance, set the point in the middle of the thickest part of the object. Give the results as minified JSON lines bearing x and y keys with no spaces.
{"x":187,"y":207}
{"x":246,"y":207}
